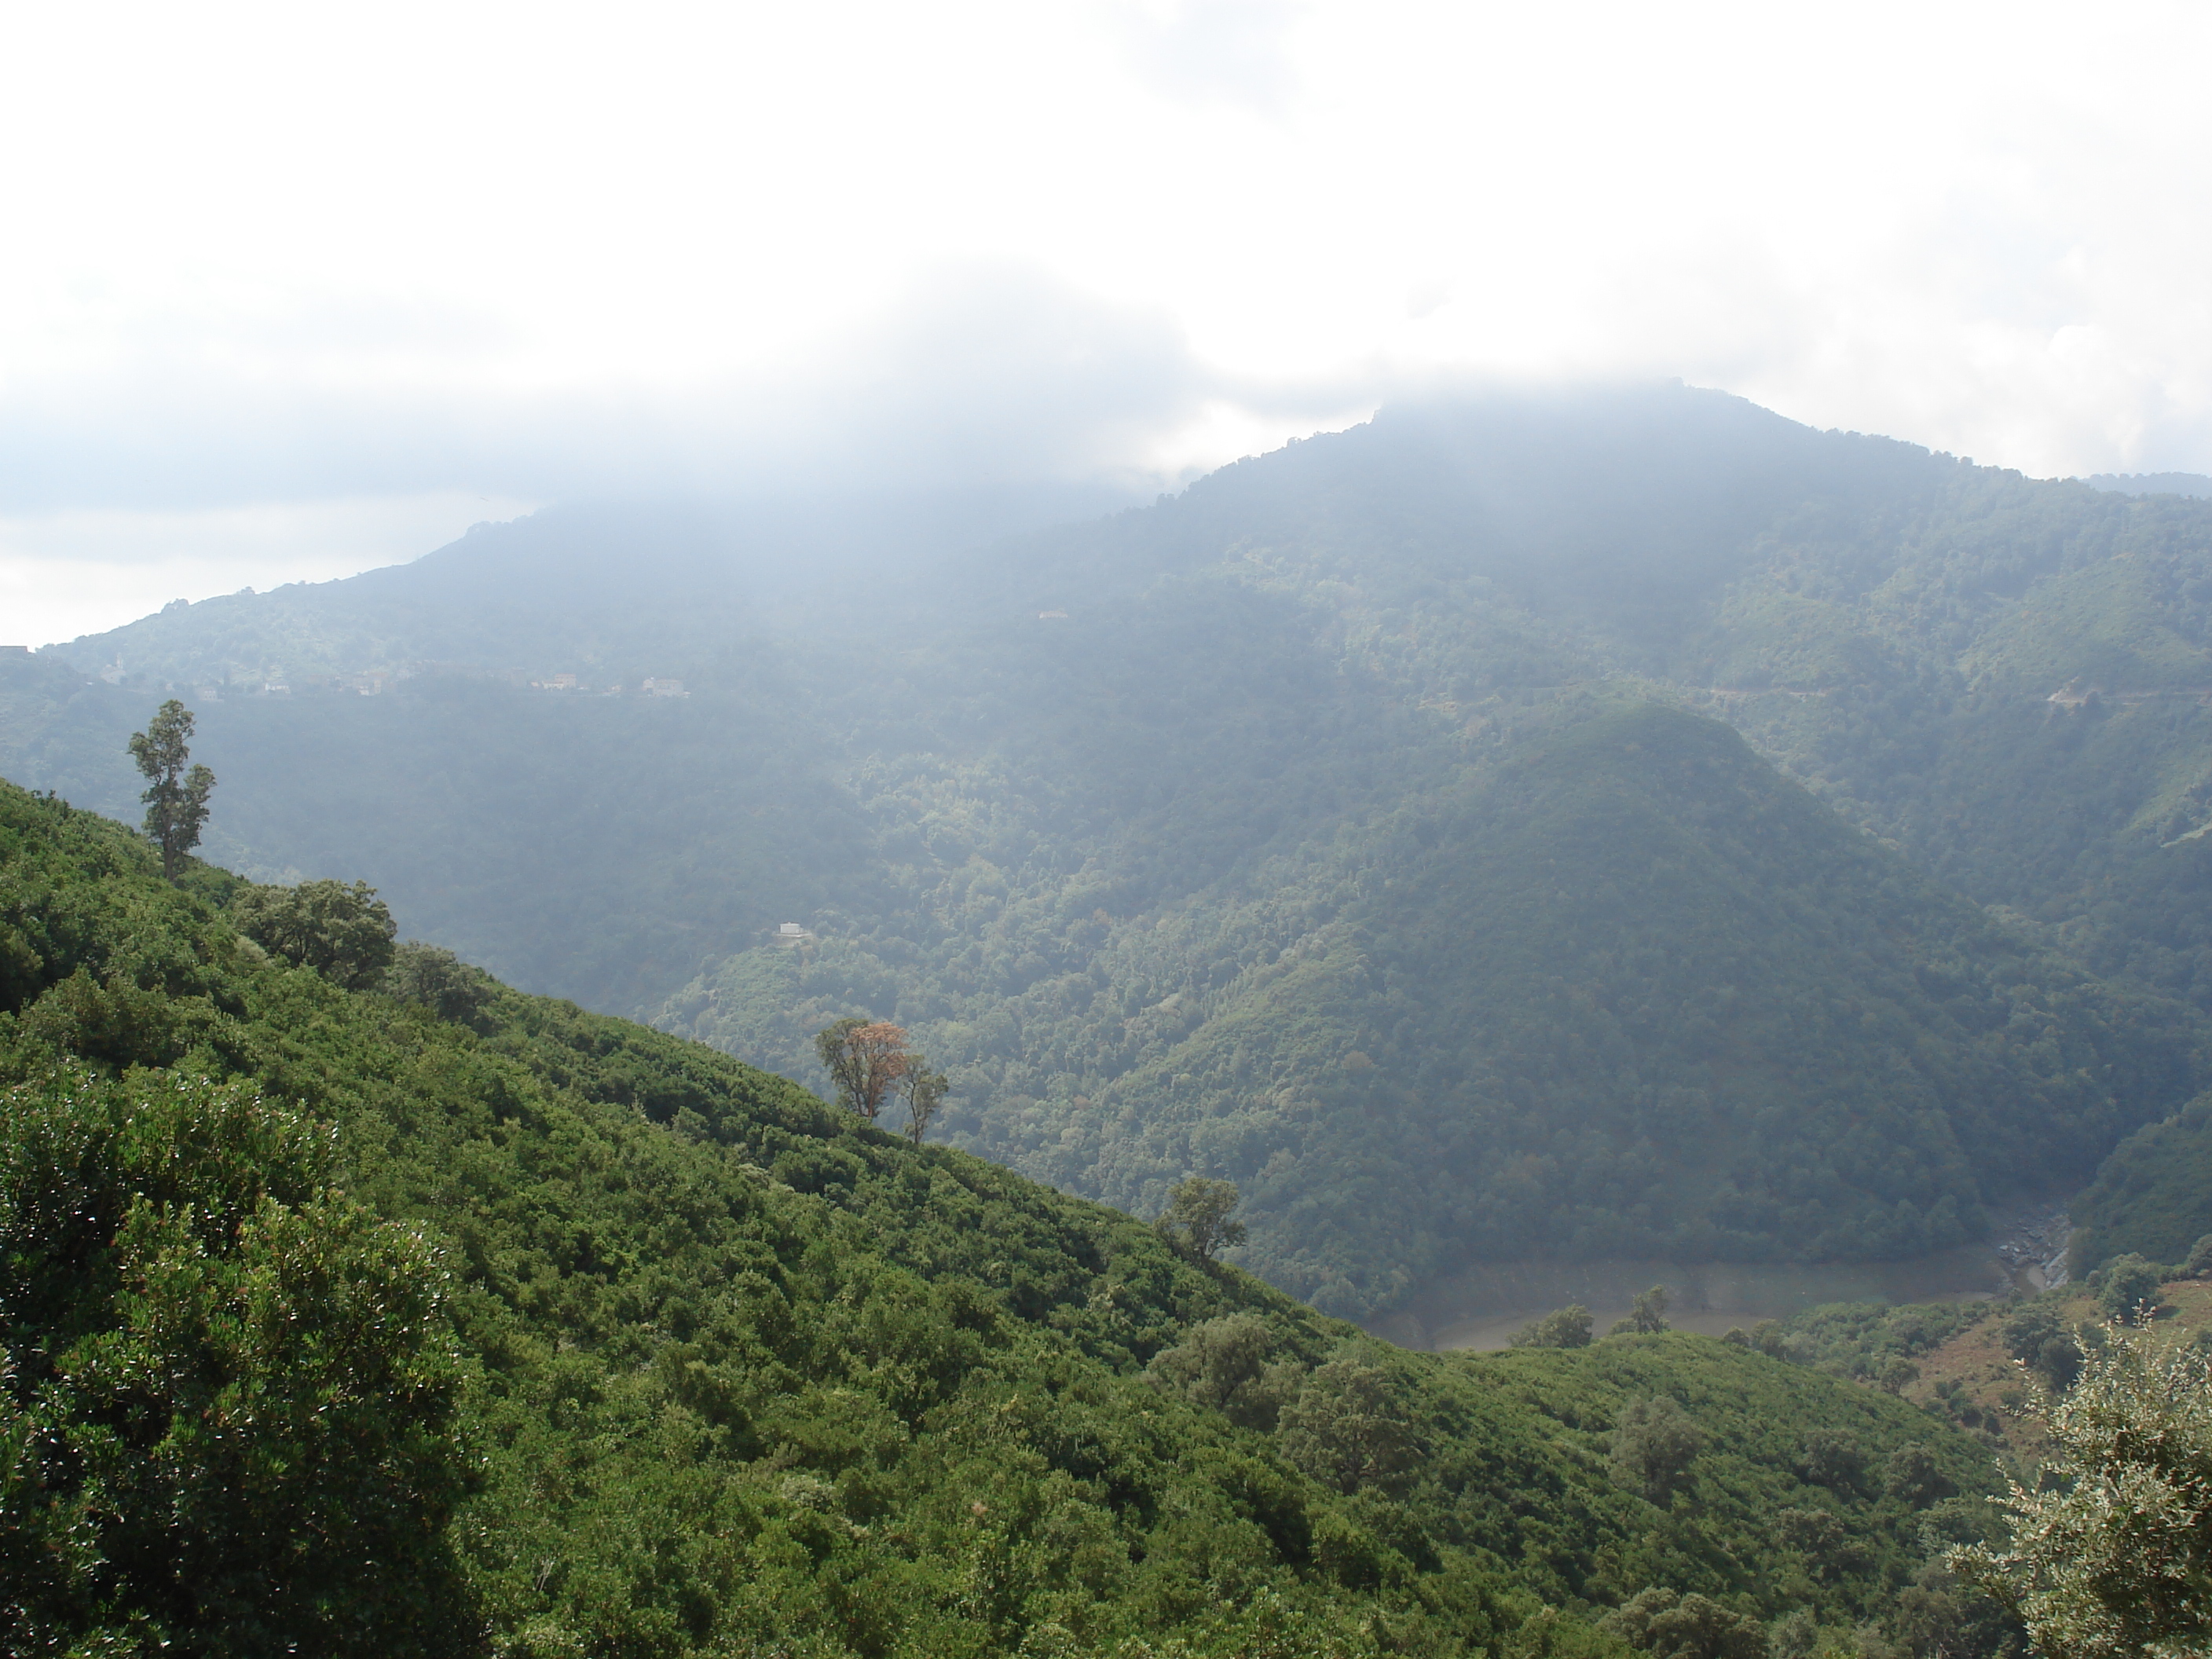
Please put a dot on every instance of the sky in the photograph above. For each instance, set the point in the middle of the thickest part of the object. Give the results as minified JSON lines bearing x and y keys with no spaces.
{"x":288,"y":292}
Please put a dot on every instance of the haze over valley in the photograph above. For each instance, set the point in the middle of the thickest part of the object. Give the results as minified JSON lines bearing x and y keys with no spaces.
{"x":1143,"y":829}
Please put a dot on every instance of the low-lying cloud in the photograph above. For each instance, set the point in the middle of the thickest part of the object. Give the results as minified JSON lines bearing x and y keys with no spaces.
{"x":980,"y":375}
{"x":720,"y":251}
{"x":184,"y":473}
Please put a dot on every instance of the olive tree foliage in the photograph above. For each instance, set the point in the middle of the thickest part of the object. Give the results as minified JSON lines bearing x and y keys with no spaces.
{"x":176,"y":798}
{"x":1821,"y":1539}
{"x":226,"y":1421}
{"x":1343,"y":1429}
{"x":1897,"y":1374}
{"x":1567,"y":1327}
{"x":1768,"y":1337}
{"x":1197,"y":1220}
{"x":1653,"y":1444}
{"x":342,"y":931}
{"x":2113,"y":1556}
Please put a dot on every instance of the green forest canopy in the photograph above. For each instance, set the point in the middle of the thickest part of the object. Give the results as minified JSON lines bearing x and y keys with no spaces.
{"x":539,"y":1333}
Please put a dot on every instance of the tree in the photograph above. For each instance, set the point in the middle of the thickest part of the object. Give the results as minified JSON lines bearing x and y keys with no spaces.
{"x":2114,"y":1556}
{"x":176,"y":800}
{"x":1693,"y":1627}
{"x":867,"y":1061}
{"x":2038,"y":1337}
{"x":1222,"y":1364}
{"x":342,"y":932}
{"x":1912,"y":1476}
{"x":1821,"y":1538}
{"x":1833,"y":1459}
{"x":1196,"y":1220}
{"x":2131,"y":1288}
{"x":242,"y":1386}
{"x":433,"y":977}
{"x":1568,"y":1328}
{"x":1939,"y":1617}
{"x":1647,"y":1315}
{"x":1342,"y":1429}
{"x":925,"y":1092}
{"x":1653,"y":1446}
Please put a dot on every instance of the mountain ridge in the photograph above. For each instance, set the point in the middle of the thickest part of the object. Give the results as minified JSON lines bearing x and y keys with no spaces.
{"x":1047,"y":803}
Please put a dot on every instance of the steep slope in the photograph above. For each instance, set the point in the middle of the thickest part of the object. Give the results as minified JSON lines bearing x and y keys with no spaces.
{"x":2153,"y":1197}
{"x":2011,"y":687}
{"x":684,"y":1362}
{"x":1636,"y":995}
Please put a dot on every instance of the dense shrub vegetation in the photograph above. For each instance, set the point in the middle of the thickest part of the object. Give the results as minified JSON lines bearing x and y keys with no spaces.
{"x":531,"y":1332}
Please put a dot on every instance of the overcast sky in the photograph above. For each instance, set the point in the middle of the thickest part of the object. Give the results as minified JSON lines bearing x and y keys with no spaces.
{"x":288,"y":291}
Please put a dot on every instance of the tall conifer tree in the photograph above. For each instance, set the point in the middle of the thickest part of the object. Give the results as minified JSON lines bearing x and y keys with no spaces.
{"x":176,"y":800}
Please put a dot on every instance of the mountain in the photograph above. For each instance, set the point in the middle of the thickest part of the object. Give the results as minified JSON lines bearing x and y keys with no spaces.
{"x":1363,"y":823}
{"x":2152,"y":483}
{"x":353,"y":1309}
{"x":1630,"y":995}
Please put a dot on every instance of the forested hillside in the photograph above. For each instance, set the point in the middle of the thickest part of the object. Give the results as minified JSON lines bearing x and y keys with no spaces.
{"x":2153,"y":1197}
{"x":531,"y":1332}
{"x":1360,"y":821}
{"x":1635,"y":995}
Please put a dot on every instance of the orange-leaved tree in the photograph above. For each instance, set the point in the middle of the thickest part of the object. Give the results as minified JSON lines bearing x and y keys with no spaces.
{"x":866,"y":1059}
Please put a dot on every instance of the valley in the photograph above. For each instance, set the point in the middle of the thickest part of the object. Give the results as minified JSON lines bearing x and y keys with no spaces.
{"x":1361,"y":826}
{"x":1481,"y":1309}
{"x":1151,"y":830}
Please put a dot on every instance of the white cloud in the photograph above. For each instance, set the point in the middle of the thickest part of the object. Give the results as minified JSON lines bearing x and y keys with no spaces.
{"x":264,"y":253}
{"x":977,"y":373}
{"x":1231,"y":52}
